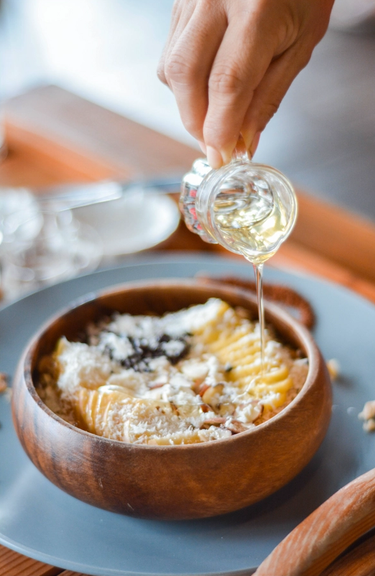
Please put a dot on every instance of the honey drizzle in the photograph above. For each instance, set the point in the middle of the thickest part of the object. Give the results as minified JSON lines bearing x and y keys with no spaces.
{"x":258,"y":271}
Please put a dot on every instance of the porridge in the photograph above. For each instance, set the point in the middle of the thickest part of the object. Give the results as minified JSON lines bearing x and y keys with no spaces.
{"x":189,"y":376}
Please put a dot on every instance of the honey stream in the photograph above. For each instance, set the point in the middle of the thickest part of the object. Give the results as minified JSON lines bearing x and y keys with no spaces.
{"x":251,"y":224}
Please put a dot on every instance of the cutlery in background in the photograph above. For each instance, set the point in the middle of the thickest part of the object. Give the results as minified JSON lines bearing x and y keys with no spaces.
{"x":79,"y":195}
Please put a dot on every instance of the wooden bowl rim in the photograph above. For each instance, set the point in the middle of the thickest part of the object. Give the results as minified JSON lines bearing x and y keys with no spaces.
{"x":313,"y":354}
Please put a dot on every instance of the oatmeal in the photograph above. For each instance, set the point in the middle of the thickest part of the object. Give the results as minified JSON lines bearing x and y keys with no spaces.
{"x":186,"y":377}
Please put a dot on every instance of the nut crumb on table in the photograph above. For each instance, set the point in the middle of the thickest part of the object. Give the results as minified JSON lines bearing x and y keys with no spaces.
{"x":333,"y":366}
{"x":368,"y":415}
{"x":3,"y":382}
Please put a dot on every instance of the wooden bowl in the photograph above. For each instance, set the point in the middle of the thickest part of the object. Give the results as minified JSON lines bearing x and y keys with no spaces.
{"x":170,"y":482}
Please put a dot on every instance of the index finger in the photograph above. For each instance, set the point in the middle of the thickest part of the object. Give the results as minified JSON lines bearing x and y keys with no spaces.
{"x":188,"y":65}
{"x":240,"y":64}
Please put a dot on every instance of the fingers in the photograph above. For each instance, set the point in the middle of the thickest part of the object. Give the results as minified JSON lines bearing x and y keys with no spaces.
{"x":240,"y":64}
{"x":229,"y":63}
{"x":177,"y":21}
{"x":188,"y":61}
{"x":254,"y":144}
{"x":283,"y":70}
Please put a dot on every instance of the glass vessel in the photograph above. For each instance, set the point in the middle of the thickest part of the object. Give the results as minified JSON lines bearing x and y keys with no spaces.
{"x":248,"y":208}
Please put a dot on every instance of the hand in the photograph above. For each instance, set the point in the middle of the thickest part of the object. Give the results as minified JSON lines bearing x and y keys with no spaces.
{"x":229,"y":64}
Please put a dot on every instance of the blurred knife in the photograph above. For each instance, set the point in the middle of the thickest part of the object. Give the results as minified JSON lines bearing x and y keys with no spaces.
{"x":78,"y":195}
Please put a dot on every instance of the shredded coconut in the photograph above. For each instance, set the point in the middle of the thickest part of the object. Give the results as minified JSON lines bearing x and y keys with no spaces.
{"x":190,"y":376}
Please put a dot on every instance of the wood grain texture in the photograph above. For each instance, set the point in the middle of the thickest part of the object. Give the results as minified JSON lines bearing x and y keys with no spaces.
{"x":342,"y":237}
{"x":55,"y":160}
{"x":327,"y":532}
{"x":171,"y":482}
{"x":81,"y":131}
{"x":358,"y":562}
{"x":14,"y":564}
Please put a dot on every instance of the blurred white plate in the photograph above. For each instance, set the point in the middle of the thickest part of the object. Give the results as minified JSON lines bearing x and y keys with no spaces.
{"x":137,"y":221}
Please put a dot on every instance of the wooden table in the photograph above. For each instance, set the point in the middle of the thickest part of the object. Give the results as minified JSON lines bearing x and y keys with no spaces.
{"x":56,"y":137}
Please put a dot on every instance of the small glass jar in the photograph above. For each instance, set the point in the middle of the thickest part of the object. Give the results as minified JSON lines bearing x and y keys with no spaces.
{"x":248,"y":208}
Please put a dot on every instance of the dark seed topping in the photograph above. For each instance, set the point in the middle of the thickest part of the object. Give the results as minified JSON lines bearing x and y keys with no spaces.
{"x":144,"y":350}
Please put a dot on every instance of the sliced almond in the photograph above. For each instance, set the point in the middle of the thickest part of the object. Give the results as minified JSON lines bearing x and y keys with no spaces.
{"x":205,"y":408}
{"x":156,"y":385}
{"x":212,"y":391}
{"x":212,"y":422}
{"x":235,"y":426}
{"x":203,"y":388}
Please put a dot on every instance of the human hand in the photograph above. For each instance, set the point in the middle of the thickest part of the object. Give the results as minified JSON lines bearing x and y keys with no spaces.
{"x":229,"y":64}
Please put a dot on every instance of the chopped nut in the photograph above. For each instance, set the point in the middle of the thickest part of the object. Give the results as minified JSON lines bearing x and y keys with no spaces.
{"x":157,"y":385}
{"x":333,"y":368}
{"x":368,"y":411}
{"x":174,"y":409}
{"x":3,"y":382}
{"x":225,"y":409}
{"x":212,"y":391}
{"x":213,"y":422}
{"x":369,"y":426}
{"x":235,"y":426}
{"x":205,"y":408}
{"x":197,"y":384}
{"x":203,"y":389}
{"x":368,"y":415}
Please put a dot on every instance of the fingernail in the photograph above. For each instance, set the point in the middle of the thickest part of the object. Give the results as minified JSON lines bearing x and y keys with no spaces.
{"x":202,"y":146}
{"x":254,"y":144}
{"x":227,"y":156}
{"x":214,"y":158}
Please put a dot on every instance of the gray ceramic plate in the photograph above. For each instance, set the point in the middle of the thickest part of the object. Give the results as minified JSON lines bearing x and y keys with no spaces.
{"x":39,"y":520}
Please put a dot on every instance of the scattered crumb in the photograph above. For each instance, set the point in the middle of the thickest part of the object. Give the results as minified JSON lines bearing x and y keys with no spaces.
{"x":333,"y":366}
{"x":368,"y":415}
{"x":369,"y":426}
{"x":3,"y":382}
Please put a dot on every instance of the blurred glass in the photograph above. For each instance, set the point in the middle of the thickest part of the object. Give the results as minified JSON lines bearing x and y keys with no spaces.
{"x":16,"y":205}
{"x":41,"y":245}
